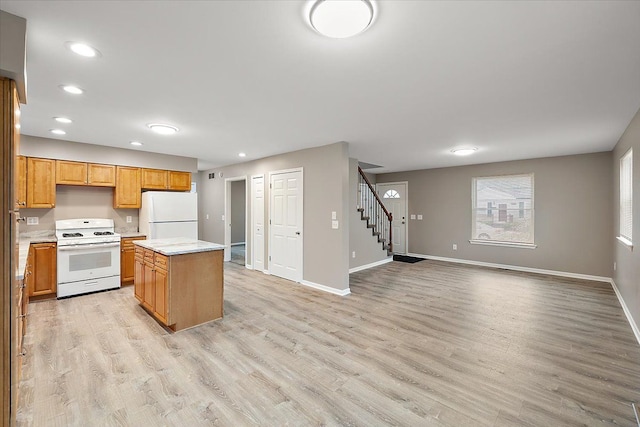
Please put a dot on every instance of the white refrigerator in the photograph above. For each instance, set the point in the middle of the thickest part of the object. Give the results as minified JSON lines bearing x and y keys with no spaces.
{"x":165,"y":214}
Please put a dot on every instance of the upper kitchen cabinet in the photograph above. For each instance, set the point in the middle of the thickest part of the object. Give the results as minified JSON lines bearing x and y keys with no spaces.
{"x":154,"y":179}
{"x":128,"y":190}
{"x":101,"y":175}
{"x":78,"y":173}
{"x":41,"y":183}
{"x":71,"y":173}
{"x":179,"y":181}
{"x":21,"y":182}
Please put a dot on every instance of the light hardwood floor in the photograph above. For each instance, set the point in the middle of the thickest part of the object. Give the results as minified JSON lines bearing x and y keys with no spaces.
{"x":414,"y":344}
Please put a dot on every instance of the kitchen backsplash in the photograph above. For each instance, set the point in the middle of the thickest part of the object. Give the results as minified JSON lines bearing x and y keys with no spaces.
{"x":80,"y":202}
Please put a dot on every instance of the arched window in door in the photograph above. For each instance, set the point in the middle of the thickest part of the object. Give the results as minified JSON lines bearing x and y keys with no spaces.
{"x":391,"y":194}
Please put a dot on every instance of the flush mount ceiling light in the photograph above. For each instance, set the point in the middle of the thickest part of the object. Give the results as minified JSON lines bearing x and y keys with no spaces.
{"x":464,"y":151}
{"x":162,"y":129}
{"x":136,"y":143}
{"x":341,"y":18}
{"x":63,"y":120}
{"x":57,"y":131}
{"x":82,"y":49}
{"x":72,"y":89}
{"x":242,"y":155}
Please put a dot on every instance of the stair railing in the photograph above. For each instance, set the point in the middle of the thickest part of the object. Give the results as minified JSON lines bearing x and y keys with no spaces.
{"x":372,"y":208}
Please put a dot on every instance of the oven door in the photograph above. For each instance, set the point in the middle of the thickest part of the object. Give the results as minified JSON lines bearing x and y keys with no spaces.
{"x":89,"y":261}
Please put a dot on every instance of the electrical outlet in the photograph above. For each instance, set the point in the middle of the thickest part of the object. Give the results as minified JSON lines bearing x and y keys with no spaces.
{"x":129,"y":218}
{"x":419,"y":217}
{"x":455,"y":247}
{"x":353,"y":254}
{"x":334,"y":215}
{"x":334,"y":225}
{"x":615,"y":264}
{"x":32,"y":220}
{"x":413,"y":216}
{"x":223,"y":217}
{"x":206,"y":216}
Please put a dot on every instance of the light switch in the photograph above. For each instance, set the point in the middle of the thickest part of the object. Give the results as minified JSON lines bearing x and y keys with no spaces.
{"x":207,"y":216}
{"x":413,"y":216}
{"x":334,"y":225}
{"x":32,"y":220}
{"x":334,"y":215}
{"x":419,"y":217}
{"x":223,"y":217}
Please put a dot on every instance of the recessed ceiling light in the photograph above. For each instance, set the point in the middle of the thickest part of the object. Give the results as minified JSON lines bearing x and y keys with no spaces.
{"x":62,"y":120}
{"x":162,"y":129}
{"x":136,"y":143}
{"x":72,"y":89}
{"x":464,"y":151}
{"x":341,"y":18}
{"x":82,"y":49}
{"x":57,"y":131}
{"x":242,"y":154}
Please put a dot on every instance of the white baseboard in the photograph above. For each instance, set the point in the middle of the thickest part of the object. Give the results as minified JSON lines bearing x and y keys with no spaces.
{"x":266,"y":272}
{"x":340,"y":292}
{"x":373,"y":264}
{"x":516,"y":268}
{"x":238,"y":243}
{"x":632,"y":322}
{"x":248,"y":266}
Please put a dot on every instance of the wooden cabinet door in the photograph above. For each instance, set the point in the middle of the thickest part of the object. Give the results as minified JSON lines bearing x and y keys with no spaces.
{"x":101,"y":175}
{"x":148,"y":292}
{"x":21,"y":182}
{"x":160,"y":284}
{"x":154,"y":179}
{"x":127,"y":273}
{"x":44,"y":275}
{"x":127,"y":194}
{"x":41,"y":183}
{"x":179,"y":181}
{"x":138,"y":281}
{"x":71,"y":173}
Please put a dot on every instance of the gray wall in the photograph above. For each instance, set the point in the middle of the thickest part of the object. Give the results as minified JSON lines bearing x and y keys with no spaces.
{"x":238,"y":210}
{"x":67,"y":150}
{"x":91,"y":202}
{"x":361,"y":241}
{"x":573,"y":213}
{"x":326,"y":189}
{"x":627,"y":274}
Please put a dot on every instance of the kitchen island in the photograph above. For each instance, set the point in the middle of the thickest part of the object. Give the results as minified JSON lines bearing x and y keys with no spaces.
{"x":179,"y":281}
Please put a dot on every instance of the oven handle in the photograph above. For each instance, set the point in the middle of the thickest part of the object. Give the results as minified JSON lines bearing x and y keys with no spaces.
{"x":88,"y":246}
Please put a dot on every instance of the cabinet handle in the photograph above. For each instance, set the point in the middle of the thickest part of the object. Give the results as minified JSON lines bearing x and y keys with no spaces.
{"x":23,"y":219}
{"x":23,"y":353}
{"x":22,"y":316}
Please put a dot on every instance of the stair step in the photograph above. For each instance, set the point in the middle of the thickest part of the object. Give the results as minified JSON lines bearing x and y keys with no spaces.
{"x":365,"y":218}
{"x":376,"y":233}
{"x":371,"y":226}
{"x":360,"y":209}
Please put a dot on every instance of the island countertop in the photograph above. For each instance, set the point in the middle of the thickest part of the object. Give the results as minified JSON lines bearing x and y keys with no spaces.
{"x":178,"y":246}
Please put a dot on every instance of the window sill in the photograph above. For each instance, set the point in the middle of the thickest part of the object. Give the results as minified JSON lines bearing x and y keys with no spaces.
{"x":628,"y":243}
{"x":503,"y":244}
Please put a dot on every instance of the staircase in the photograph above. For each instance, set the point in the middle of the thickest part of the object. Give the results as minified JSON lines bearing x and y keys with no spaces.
{"x":373,"y":212}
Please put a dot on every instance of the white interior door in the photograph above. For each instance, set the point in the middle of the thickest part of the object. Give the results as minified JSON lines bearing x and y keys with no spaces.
{"x":394,"y":198}
{"x":257,"y":222}
{"x":285,"y":225}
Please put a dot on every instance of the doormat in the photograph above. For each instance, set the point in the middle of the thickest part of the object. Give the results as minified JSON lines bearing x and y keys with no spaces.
{"x":409,"y":259}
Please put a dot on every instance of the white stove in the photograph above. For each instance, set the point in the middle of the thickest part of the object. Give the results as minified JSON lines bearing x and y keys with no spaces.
{"x":88,"y":256}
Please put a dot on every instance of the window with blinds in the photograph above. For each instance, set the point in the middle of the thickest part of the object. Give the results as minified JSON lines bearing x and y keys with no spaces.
{"x":626,"y":195}
{"x":502,"y":209}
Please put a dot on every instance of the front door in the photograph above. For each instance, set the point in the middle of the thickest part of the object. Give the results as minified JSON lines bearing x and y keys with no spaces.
{"x":285,"y":219}
{"x":394,"y":198}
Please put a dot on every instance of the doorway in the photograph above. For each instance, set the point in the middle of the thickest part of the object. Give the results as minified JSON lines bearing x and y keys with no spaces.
{"x":235,"y":220}
{"x":394,"y":198}
{"x":285,"y":219}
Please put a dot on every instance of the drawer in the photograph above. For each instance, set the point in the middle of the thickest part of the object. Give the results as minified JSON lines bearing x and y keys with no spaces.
{"x":148,"y":255}
{"x":139,"y":252}
{"x":127,"y":242}
{"x":161,"y":261}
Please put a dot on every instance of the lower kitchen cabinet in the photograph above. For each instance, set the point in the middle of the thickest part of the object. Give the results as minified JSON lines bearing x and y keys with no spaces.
{"x":127,"y":260}
{"x":41,"y":275}
{"x":179,"y":291}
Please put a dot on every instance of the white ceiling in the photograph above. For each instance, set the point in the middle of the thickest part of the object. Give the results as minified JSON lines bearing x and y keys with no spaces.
{"x":515,"y":79}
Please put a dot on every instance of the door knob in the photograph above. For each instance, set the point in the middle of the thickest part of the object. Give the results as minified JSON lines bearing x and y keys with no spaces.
{"x":298,"y":233}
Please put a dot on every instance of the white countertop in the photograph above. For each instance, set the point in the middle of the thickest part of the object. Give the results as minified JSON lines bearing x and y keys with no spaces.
{"x":23,"y":250}
{"x":178,"y":246}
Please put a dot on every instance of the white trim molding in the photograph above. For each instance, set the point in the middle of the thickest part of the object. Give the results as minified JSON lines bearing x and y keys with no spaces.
{"x":504,"y":244}
{"x":628,"y":243}
{"x":632,"y":322}
{"x":516,"y":268}
{"x":238,"y":243}
{"x":248,"y":266}
{"x":373,"y":264}
{"x":340,"y":292}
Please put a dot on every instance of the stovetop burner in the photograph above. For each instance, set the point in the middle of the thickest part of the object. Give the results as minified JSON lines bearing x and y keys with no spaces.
{"x":71,"y":234}
{"x":103,"y":233}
